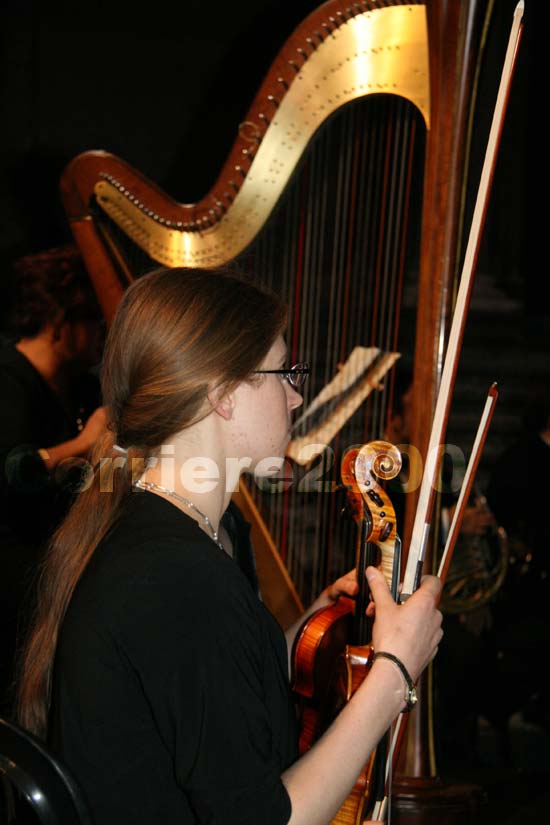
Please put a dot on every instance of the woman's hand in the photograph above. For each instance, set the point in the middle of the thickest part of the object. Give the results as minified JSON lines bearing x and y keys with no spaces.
{"x":93,"y":430}
{"x":344,"y":586}
{"x":79,"y":446}
{"x":411,"y":631}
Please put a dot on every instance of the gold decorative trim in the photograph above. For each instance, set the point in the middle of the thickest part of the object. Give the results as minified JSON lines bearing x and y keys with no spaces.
{"x":380,"y":51}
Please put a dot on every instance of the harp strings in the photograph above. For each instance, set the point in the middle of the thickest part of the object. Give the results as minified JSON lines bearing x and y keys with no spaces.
{"x":399,"y":185}
{"x":337,"y":253}
{"x":336,"y":249}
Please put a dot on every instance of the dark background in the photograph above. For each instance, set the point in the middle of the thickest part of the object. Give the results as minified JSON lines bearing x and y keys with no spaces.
{"x":165,"y":85}
{"x":165,"y":88}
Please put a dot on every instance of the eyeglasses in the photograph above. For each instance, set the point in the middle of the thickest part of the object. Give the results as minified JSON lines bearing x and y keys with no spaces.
{"x":295,"y":376}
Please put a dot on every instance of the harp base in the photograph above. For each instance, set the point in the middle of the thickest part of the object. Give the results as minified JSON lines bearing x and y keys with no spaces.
{"x":430,"y":801}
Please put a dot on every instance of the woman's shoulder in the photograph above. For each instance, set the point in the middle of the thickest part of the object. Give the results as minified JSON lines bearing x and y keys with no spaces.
{"x":158,"y":576}
{"x":157,"y":552}
{"x":149,"y":528}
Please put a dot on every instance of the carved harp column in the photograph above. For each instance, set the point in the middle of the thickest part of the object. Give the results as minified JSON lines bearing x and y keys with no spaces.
{"x":343,"y":191}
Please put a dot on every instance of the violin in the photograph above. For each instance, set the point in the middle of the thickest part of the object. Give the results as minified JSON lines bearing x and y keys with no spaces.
{"x":332,"y":652}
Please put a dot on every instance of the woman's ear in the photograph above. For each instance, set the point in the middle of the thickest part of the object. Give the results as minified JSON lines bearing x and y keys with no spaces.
{"x":222,"y":402}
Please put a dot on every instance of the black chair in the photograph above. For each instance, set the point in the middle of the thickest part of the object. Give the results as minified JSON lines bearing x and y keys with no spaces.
{"x":46,"y":785}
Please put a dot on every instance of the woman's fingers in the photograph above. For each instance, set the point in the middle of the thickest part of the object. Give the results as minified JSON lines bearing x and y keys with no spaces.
{"x":344,"y":586}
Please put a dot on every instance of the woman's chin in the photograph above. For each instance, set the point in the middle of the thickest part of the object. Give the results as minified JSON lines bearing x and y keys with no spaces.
{"x":269,"y":467}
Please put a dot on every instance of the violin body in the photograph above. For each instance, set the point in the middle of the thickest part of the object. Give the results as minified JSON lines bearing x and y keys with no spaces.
{"x":332,"y":652}
{"x":351,"y":670}
{"x":317,"y":647}
{"x":327,"y":674}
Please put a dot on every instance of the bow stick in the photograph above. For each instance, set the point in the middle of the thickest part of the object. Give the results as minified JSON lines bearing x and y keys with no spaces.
{"x":467,"y":482}
{"x":422,"y":523}
{"x":379,"y":810}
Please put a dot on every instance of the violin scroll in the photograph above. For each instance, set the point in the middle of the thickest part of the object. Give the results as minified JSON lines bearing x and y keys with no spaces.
{"x":378,"y":457}
{"x":378,"y":460}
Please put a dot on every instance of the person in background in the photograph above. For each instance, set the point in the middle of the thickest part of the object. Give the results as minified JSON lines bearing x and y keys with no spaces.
{"x":50,"y":416}
{"x":519,"y":494}
{"x":153,"y":669}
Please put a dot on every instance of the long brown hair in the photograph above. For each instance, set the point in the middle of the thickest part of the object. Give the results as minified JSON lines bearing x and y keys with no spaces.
{"x":177,"y":333}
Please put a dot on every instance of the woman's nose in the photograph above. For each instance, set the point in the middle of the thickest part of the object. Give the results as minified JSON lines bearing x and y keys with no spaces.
{"x":294,"y":399}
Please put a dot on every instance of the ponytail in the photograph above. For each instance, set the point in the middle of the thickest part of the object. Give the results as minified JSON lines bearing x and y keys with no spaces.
{"x":176,"y":334}
{"x":94,"y":512}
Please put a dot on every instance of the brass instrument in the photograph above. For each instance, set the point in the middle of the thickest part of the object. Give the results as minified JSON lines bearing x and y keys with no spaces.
{"x":479,"y":567}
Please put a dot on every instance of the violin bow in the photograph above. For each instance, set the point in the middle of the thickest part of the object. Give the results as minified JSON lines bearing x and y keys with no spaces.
{"x":379,"y":810}
{"x":422,"y":523}
{"x":467,"y":483}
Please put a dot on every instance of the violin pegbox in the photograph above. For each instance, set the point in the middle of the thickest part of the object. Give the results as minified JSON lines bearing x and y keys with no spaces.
{"x":354,"y":499}
{"x":375,"y":462}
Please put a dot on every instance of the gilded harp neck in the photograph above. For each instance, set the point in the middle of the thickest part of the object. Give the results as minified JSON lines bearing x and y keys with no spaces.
{"x":335,"y":56}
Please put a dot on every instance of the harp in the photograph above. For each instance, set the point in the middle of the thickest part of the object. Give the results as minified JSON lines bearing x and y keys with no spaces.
{"x":344,"y":190}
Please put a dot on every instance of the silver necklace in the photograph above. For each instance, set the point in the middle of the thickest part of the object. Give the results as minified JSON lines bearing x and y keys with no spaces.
{"x":150,"y":485}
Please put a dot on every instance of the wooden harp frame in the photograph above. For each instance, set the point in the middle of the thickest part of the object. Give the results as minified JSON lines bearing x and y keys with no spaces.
{"x":426,"y":52}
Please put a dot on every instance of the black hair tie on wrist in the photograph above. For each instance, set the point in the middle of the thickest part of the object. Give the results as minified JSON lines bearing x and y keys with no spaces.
{"x":410,"y":694}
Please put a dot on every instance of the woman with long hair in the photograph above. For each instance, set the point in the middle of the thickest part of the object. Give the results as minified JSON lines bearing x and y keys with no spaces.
{"x":153,"y":669}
